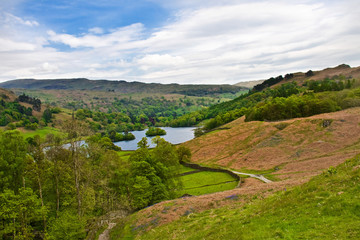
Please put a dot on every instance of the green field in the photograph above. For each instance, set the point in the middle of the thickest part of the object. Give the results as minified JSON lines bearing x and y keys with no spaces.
{"x":206,"y":182}
{"x":42,"y":132}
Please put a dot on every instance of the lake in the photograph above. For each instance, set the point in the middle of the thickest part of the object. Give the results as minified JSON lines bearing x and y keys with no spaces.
{"x":173,"y":135}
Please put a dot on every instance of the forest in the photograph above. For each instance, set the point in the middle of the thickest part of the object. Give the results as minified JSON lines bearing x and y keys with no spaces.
{"x":51,"y":190}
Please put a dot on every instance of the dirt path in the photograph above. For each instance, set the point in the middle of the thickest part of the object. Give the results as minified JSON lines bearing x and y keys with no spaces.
{"x":110,"y":219}
{"x":106,"y":234}
{"x":258,"y":176}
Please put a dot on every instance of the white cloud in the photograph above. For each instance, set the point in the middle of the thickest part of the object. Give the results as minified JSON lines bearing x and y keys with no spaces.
{"x":9,"y":18}
{"x":118,"y":36}
{"x":206,"y":42}
{"x":96,"y":30}
{"x":7,"y":45}
{"x":157,"y":60}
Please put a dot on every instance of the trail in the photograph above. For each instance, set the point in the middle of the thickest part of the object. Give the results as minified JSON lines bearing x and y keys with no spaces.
{"x":258,"y":176}
{"x":110,"y":219}
{"x":106,"y":234}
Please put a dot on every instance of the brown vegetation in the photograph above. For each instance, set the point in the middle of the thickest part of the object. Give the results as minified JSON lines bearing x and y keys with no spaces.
{"x":294,"y":148}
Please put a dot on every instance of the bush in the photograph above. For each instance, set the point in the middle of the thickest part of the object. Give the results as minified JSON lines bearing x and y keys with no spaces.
{"x":31,"y":126}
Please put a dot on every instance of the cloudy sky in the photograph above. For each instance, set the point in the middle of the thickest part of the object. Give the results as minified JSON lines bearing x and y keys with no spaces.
{"x":182,"y":41}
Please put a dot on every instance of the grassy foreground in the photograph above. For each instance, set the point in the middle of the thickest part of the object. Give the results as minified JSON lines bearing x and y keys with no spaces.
{"x":327,"y":207}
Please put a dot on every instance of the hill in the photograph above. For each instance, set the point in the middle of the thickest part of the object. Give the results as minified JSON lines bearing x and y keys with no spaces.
{"x":249,"y":84}
{"x":289,"y":152}
{"x":290,"y":149}
{"x":341,"y":72}
{"x":327,"y":207}
{"x":119,"y":86}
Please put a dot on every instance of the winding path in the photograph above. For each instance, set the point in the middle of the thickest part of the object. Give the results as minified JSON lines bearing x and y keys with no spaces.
{"x":258,"y":176}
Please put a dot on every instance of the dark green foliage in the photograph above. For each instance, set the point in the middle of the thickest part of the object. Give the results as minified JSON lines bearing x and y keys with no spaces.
{"x":116,"y":137}
{"x":267,"y":83}
{"x":34,"y":101}
{"x":303,"y":105}
{"x":327,"y":85}
{"x":12,"y":112}
{"x":155,"y":132}
{"x":309,"y":73}
{"x":295,"y":106}
{"x":47,"y":115}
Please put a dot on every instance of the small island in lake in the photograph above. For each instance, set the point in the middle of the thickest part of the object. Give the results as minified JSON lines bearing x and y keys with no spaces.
{"x":153,"y":131}
{"x":117,"y":137}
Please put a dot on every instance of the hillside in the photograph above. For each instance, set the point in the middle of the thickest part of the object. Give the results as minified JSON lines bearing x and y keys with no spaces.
{"x":119,"y":86}
{"x":289,"y":152}
{"x":327,"y":207}
{"x":341,"y":72}
{"x":249,"y":84}
{"x":290,"y":149}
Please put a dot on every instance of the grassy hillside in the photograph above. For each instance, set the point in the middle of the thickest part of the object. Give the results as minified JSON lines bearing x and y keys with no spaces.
{"x":119,"y":86}
{"x":290,"y":149}
{"x":327,"y":207}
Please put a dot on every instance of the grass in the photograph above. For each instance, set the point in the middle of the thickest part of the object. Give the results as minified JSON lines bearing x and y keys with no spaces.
{"x":125,"y":154}
{"x":184,"y":169}
{"x":207,"y":182}
{"x":42,"y":132}
{"x":327,"y":207}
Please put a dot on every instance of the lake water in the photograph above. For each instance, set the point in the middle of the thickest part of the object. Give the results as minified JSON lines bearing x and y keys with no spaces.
{"x":173,"y":135}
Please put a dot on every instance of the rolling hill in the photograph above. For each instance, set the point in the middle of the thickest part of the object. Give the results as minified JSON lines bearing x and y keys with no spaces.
{"x":119,"y":86}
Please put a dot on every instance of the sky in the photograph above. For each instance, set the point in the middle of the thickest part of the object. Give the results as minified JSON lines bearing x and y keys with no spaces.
{"x":177,"y":41}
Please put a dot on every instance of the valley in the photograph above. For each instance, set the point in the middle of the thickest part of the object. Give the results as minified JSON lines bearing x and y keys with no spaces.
{"x":291,"y":140}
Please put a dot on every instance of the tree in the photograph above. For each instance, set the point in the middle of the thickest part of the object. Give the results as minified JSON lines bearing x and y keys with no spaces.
{"x":12,"y":164}
{"x":37,"y":164}
{"x":47,"y":115}
{"x":184,"y":154}
{"x":75,"y":131}
{"x":59,"y":174}
{"x":18,"y":211}
{"x":68,"y":226}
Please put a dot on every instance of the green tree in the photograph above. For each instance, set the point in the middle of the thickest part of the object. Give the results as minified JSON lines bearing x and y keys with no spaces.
{"x":12,"y":155}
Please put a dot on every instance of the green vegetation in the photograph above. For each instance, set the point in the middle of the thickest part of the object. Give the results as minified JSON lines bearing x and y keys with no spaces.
{"x":205,"y":182}
{"x":13,"y":112}
{"x":281,"y":102}
{"x":55,"y":190}
{"x":327,"y":207}
{"x":42,"y":132}
{"x":309,"y":104}
{"x":155,"y":132}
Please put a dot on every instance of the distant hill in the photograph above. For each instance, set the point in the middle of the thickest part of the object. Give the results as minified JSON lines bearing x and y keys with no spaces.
{"x":249,"y":84}
{"x":118,"y":86}
{"x":340,"y":72}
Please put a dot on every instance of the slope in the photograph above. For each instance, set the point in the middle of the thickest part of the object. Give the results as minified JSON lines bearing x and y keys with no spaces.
{"x":290,"y":149}
{"x":290,"y":152}
{"x":327,"y":207}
